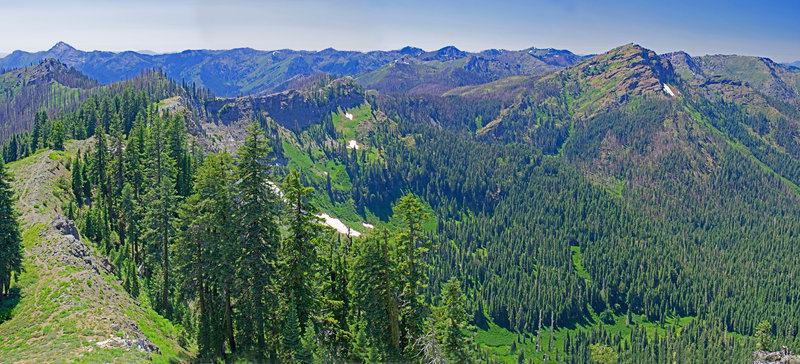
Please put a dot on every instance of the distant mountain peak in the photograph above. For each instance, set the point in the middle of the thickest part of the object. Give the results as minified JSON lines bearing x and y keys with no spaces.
{"x":449,"y":49}
{"x":444,"y":54}
{"x":621,"y":73}
{"x":411,"y":50}
{"x":61,"y":47}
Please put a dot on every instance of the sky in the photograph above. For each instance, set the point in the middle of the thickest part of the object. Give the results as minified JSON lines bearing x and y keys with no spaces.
{"x":760,"y":28}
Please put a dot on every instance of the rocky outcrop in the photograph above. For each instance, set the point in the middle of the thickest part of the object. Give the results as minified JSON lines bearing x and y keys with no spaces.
{"x":130,"y":337}
{"x":63,"y":246}
{"x":65,"y":226}
{"x":66,"y":247}
{"x":784,"y":356}
{"x":293,"y":110}
{"x":685,"y":65}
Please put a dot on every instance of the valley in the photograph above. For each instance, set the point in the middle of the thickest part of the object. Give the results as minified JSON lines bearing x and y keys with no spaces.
{"x":401,"y":206}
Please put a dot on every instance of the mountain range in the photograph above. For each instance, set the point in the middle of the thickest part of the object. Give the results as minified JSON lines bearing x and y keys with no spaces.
{"x":247,"y":71}
{"x":792,"y":64}
{"x":608,"y":196}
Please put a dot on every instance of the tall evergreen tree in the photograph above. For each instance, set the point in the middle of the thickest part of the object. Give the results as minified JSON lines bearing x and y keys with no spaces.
{"x":57,"y":136}
{"x":412,"y":243}
{"x":129,"y":216}
{"x":77,"y":180}
{"x":451,"y":322}
{"x":259,"y":236}
{"x":203,"y":249}
{"x":372,"y":286}
{"x":11,"y":251}
{"x":159,"y":215}
{"x":100,"y":164}
{"x":299,"y":253}
{"x":116,"y":182}
{"x":294,"y":350}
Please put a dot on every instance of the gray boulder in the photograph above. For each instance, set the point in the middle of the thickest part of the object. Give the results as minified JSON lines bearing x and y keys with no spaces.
{"x":65,"y":226}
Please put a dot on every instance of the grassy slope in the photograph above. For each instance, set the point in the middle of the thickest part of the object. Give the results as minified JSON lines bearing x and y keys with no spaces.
{"x":63,"y":311}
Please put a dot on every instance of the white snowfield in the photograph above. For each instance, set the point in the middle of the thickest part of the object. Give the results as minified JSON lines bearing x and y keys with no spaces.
{"x":348,"y":115}
{"x":668,"y":90}
{"x":326,"y":219}
{"x":353,"y":144}
{"x":338,"y":225}
{"x":368,"y":226}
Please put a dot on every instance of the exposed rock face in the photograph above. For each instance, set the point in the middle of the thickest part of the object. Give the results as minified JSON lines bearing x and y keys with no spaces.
{"x":782,"y":356}
{"x":65,"y":226}
{"x":293,"y":110}
{"x":68,"y":249}
{"x":685,"y":65}
{"x":762,"y":74}
{"x":130,"y":336}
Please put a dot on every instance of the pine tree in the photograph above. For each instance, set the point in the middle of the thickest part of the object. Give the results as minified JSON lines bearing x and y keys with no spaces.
{"x":77,"y":180}
{"x":299,"y":253}
{"x":412,"y":244}
{"x":293,"y":348}
{"x":100,"y":163}
{"x":202,"y":251}
{"x":451,"y":322}
{"x":311,"y":343}
{"x":159,"y":215}
{"x":372,"y":285}
{"x":116,"y":167}
{"x":764,"y":336}
{"x":57,"y":136}
{"x":129,"y":221}
{"x":11,"y":251}
{"x":176,"y":144}
{"x":38,"y":124}
{"x":259,"y":241}
{"x":86,"y":172}
{"x":134,"y":156}
{"x":133,"y":280}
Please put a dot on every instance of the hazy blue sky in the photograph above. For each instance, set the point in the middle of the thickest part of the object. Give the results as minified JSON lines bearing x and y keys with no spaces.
{"x":699,"y":27}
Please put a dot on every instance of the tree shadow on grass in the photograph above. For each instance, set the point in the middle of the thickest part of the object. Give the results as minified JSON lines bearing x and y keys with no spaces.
{"x":7,"y":304}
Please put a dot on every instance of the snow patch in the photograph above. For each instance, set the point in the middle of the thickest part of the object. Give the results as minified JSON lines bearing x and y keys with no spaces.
{"x":338,"y":225}
{"x":348,"y":115}
{"x":668,"y":90}
{"x":368,"y":226}
{"x":353,"y":144}
{"x":326,"y":219}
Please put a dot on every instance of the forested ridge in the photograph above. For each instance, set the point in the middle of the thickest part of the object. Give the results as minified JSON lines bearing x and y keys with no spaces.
{"x":661,"y":230}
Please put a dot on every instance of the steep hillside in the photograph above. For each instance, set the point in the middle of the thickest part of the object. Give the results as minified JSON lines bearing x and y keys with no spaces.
{"x":296,"y":110}
{"x":49,"y":85}
{"x":762,"y":74}
{"x":629,"y":108}
{"x":70,"y":304}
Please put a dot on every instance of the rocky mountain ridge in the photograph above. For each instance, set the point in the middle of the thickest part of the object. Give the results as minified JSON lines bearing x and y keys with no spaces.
{"x":245,"y":70}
